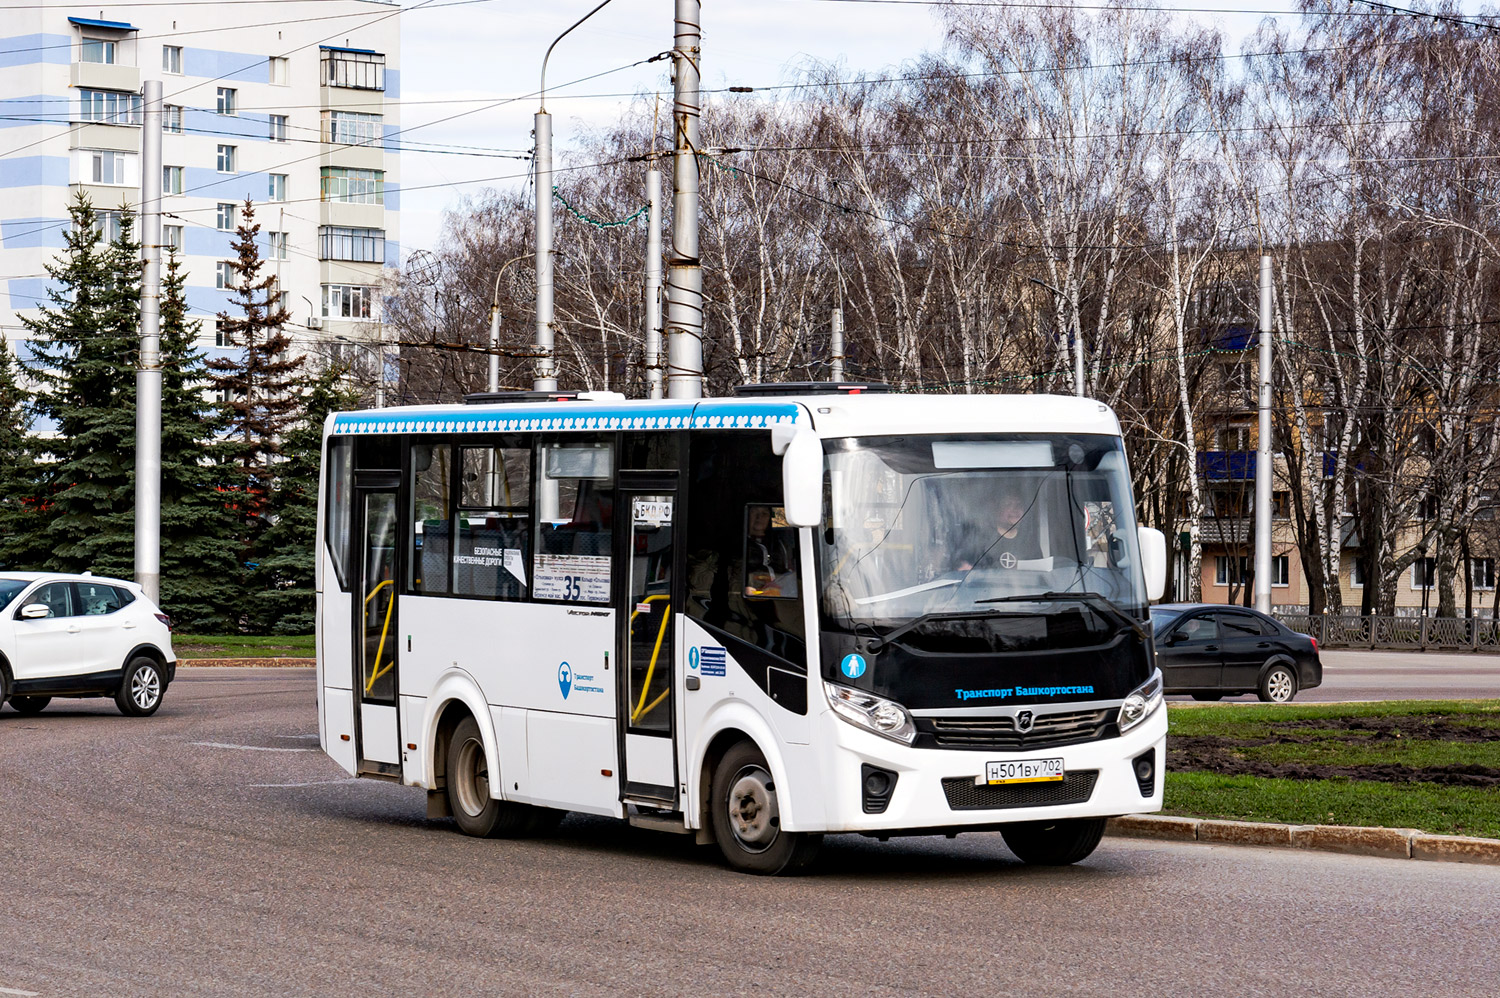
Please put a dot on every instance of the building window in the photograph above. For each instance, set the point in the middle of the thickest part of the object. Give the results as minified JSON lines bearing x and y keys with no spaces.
{"x":221,"y":339}
{"x":228,"y":100}
{"x":108,"y":224}
{"x":278,"y":67}
{"x":350,"y":301}
{"x":171,"y":59}
{"x":1356,"y":573}
{"x":1429,"y":507}
{"x":1482,"y":572}
{"x":1281,"y":504}
{"x":226,"y":215}
{"x":351,"y":128}
{"x":171,"y":118}
{"x":337,"y":242}
{"x":224,"y":275}
{"x":226,"y":159}
{"x":1230,"y":570}
{"x":105,"y":166}
{"x":278,"y":128}
{"x":276,"y":187}
{"x":109,"y":107}
{"x":1424,"y":573}
{"x":171,"y":180}
{"x":355,"y":69}
{"x":353,"y":186}
{"x":171,"y":236}
{"x":1281,"y":570}
{"x":276,"y":245}
{"x":97,"y":50}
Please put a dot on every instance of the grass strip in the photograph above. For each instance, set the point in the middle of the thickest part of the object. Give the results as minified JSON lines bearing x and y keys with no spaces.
{"x":244,"y":646}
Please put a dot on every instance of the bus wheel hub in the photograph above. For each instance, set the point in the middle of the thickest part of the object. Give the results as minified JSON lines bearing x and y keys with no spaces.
{"x":752,"y":808}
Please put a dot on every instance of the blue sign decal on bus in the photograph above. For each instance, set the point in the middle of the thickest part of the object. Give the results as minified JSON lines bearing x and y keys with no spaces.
{"x":693,"y":657}
{"x":853,"y":666}
{"x":712,"y":660}
{"x":565,"y":679}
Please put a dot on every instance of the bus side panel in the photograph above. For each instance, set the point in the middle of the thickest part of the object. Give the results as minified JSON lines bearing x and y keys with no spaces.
{"x":572,"y":762}
{"x":336,"y":676}
{"x":338,"y":730}
{"x":510,"y":737}
{"x":413,"y":760}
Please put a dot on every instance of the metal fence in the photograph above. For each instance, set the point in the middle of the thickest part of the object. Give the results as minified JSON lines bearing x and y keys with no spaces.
{"x":1400,"y":633}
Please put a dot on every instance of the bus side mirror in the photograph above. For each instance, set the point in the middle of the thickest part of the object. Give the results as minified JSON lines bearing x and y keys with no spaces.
{"x":802,"y":479}
{"x":1153,"y":560}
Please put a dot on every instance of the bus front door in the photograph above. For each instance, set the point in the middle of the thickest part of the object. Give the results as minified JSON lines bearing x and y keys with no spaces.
{"x":375,"y":626}
{"x":648,"y":706}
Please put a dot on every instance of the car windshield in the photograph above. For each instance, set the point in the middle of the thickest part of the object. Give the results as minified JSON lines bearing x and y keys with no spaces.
{"x":1161,"y":618}
{"x":939,"y":525}
{"x":10,"y":589}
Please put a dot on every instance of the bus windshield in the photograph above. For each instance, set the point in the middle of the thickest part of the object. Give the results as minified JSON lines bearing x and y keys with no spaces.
{"x":966,"y":526}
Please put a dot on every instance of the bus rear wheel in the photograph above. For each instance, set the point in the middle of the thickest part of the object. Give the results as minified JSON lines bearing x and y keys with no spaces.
{"x":1054,"y":843}
{"x":474,"y":810}
{"x":746,"y":817}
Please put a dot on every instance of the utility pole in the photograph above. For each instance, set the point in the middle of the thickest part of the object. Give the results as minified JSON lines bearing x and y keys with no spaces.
{"x":545,"y":379}
{"x":1263,"y":455}
{"x":653,"y":281}
{"x":684,"y":323}
{"x":836,"y":345}
{"x":148,"y":375}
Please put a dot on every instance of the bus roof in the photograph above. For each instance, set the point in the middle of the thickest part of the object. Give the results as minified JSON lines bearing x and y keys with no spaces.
{"x":834,"y":415}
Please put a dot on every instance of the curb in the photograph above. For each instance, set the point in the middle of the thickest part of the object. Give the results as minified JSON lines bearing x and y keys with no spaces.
{"x":246,"y":663}
{"x":1392,"y":843}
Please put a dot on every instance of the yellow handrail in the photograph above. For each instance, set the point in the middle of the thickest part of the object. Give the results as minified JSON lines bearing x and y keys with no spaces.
{"x":640,"y":707}
{"x":647,"y":599}
{"x":385,"y":630}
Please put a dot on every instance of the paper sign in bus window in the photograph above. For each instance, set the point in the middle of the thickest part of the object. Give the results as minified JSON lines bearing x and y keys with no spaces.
{"x":576,"y":578}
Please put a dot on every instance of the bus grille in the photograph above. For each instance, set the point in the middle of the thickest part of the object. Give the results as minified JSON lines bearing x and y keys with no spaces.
{"x":965,"y":795}
{"x":999,"y":732}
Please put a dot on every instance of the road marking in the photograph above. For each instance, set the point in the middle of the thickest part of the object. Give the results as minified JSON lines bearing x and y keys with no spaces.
{"x":13,"y":991}
{"x":250,"y":748}
{"x":314,"y":783}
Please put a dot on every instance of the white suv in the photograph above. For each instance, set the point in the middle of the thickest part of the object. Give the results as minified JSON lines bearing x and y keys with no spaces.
{"x":82,"y":636}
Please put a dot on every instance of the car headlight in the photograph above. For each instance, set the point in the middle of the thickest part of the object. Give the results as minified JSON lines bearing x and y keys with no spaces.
{"x":1142,"y":700}
{"x":873,"y":713}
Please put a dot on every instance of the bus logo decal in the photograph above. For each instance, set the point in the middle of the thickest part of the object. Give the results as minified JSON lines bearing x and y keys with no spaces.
{"x":1024,"y":720}
{"x":853,"y":666}
{"x":565,"y":679}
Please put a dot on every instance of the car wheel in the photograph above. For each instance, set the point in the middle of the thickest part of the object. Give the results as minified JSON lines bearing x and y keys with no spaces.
{"x":474,"y":810}
{"x":30,"y":705}
{"x":746,"y":817}
{"x":1278,"y":685}
{"x":141,"y":688}
{"x":1054,"y":843}
{"x":1206,"y":697}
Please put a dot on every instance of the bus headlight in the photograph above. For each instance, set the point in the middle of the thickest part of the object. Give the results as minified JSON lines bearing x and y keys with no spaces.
{"x":873,"y":713}
{"x":1139,"y":705}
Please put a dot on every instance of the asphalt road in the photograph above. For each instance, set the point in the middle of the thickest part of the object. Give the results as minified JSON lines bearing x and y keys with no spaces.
{"x":1396,"y":675}
{"x":212,"y":850}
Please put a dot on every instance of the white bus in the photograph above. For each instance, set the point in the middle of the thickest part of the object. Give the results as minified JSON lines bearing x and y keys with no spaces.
{"x":753,"y":620}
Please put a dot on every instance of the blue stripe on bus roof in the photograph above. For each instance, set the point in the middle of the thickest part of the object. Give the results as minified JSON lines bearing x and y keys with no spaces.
{"x":589,"y":416}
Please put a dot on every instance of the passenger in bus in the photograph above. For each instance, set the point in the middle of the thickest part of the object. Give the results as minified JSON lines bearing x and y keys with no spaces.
{"x":1010,"y":539}
{"x":770,"y":561}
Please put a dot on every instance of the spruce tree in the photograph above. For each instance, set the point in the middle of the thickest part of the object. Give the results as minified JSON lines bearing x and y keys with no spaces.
{"x":200,"y":577}
{"x":284,"y":601}
{"x":22,"y":539}
{"x":83,"y":362}
{"x":260,"y":385}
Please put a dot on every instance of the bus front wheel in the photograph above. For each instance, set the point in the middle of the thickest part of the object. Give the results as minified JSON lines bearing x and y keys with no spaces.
{"x":474,"y":809}
{"x":746,"y":817}
{"x":1054,"y":843}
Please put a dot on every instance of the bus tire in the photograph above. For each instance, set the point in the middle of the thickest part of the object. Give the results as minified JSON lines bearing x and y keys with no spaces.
{"x":29,"y":705}
{"x":475,"y":811}
{"x":747,"y":820}
{"x":141,"y":688}
{"x":1054,"y":843}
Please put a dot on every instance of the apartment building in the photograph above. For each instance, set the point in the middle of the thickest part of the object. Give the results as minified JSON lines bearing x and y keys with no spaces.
{"x":294,"y":105}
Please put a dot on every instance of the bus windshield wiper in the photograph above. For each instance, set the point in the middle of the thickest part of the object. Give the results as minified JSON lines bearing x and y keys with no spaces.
{"x":1095,"y":599}
{"x":891,"y":635}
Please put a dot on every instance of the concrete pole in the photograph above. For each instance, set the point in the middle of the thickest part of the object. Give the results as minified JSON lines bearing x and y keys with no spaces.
{"x":546,"y":376}
{"x":148,"y":376}
{"x":494,"y":380}
{"x":1263,"y":455}
{"x":684,"y":321}
{"x":836,"y":346}
{"x":1078,"y":361}
{"x":653,"y":282}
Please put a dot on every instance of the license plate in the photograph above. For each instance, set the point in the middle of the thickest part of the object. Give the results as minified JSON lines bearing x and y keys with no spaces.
{"x":1023,"y":771}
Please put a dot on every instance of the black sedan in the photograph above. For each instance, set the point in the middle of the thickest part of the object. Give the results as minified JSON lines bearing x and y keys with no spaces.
{"x":1212,"y":651}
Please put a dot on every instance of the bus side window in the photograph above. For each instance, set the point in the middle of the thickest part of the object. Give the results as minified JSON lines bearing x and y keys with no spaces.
{"x":491,"y":552}
{"x":431,"y":526}
{"x":339,"y":506}
{"x":575,"y":522}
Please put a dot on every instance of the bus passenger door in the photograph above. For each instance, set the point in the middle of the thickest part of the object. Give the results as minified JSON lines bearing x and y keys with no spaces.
{"x":648,"y":705}
{"x":376,"y":632}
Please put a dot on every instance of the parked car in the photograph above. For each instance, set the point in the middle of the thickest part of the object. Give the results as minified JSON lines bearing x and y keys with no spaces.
{"x":1212,"y":651}
{"x":82,"y":636}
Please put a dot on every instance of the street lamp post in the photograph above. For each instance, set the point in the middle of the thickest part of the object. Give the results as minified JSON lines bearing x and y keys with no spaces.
{"x":379,"y":350}
{"x":494,"y":379}
{"x":1077,"y":342}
